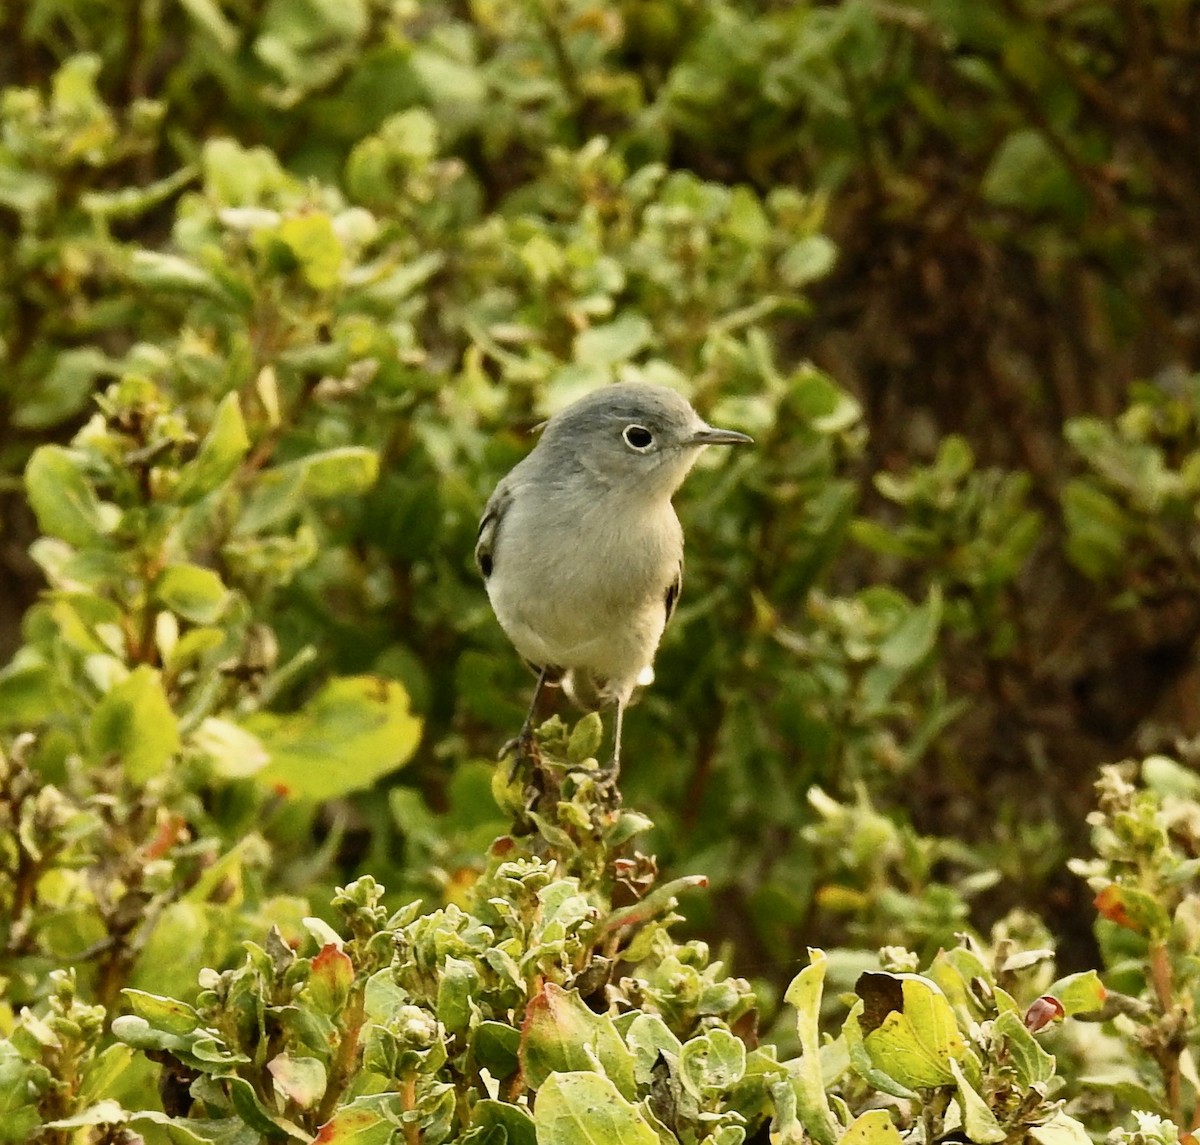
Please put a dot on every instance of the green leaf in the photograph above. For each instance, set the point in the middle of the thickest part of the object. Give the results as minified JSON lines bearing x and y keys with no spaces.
{"x":518,"y":1126}
{"x":65,"y":504}
{"x":497,"y":1045}
{"x":1169,"y":779}
{"x":106,"y":1072}
{"x":1060,"y":1130}
{"x":28,"y":688}
{"x":346,"y":472}
{"x":811,"y":258}
{"x":275,"y":495}
{"x":220,"y":1131}
{"x":318,"y":250}
{"x":613,"y":342}
{"x":1081,"y":993}
{"x":448,"y":80}
{"x":202,"y":1050}
{"x":157,"y":271}
{"x":586,"y":737}
{"x":208,"y":15}
{"x":712,"y":1063}
{"x":880,"y":538}
{"x":785,"y":1122}
{"x":197,"y":594}
{"x":162,"y":1013}
{"x":561,"y":1034}
{"x":241,"y":176}
{"x":62,"y":390}
{"x":914,"y":637}
{"x":354,"y":730}
{"x":804,"y":996}
{"x":1097,"y":529}
{"x":280,"y":492}
{"x":219,"y":455}
{"x":134,"y":722}
{"x":978,"y":1120}
{"x":1026,"y":172}
{"x":584,"y":1108}
{"x":125,"y":203}
{"x":257,"y":1116}
{"x":176,"y":941}
{"x":1034,"y":1065}
{"x":73,"y":87}
{"x":953,"y":970}
{"x":649,"y":1036}
{"x":822,"y":403}
{"x":457,"y":984}
{"x":350,"y":1126}
{"x":106,"y":1112}
{"x":25,"y":192}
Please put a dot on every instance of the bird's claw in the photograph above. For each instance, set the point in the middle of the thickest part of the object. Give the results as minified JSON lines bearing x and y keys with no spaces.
{"x":606,"y":782}
{"x":522,"y":744}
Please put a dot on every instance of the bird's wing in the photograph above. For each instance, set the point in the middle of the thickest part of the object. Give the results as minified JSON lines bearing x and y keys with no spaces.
{"x":489,"y":526}
{"x":673,"y":591}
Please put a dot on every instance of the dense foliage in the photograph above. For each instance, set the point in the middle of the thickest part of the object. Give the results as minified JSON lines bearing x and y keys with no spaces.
{"x":287,"y":285}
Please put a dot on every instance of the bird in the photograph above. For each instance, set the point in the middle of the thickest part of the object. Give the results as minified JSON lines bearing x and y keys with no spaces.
{"x":581,"y":551}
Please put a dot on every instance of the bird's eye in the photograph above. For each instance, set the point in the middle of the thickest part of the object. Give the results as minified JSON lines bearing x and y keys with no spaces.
{"x":638,"y":437}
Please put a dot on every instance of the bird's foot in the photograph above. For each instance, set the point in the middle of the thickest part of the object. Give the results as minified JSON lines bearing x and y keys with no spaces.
{"x":523,"y":745}
{"x":606,"y":782}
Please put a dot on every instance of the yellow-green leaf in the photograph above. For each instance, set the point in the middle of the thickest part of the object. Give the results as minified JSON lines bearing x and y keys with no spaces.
{"x":134,"y":721}
{"x":1081,"y":993}
{"x":874,"y":1127}
{"x":65,"y":504}
{"x":909,"y":1029}
{"x":349,"y":734}
{"x":1060,"y":1130}
{"x":314,"y":242}
{"x":978,"y":1120}
{"x":804,"y":994}
{"x":219,"y":454}
{"x":302,"y":1079}
{"x":583,"y":1108}
{"x":561,"y":1034}
{"x":233,"y":751}
{"x":197,"y":594}
{"x":348,"y":471}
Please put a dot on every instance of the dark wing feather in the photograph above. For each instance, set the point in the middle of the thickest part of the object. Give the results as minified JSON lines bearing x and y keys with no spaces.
{"x":673,"y":591}
{"x":489,"y":526}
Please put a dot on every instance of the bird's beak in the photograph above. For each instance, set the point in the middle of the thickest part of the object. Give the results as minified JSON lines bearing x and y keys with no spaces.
{"x":708,"y":435}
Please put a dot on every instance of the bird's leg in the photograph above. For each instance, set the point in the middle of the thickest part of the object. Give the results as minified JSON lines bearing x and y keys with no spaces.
{"x":610,"y":774}
{"x":522,"y":742}
{"x":615,"y":766}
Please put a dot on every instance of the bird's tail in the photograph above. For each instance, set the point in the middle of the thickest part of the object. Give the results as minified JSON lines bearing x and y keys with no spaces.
{"x":591,"y":693}
{"x":586,"y":691}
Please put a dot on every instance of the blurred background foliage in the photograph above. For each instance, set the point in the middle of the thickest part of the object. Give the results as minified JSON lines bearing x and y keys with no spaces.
{"x":286,"y":286}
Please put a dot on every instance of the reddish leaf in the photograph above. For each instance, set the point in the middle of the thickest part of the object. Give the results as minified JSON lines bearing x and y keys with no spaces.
{"x":1133,"y":909}
{"x":1044,"y":1010}
{"x":331,"y":978}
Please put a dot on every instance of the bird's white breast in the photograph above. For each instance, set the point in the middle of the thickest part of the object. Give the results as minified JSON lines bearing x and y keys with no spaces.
{"x":581,"y":582}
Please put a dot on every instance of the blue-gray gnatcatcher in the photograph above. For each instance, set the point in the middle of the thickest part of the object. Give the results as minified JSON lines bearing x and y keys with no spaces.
{"x":580,"y":547}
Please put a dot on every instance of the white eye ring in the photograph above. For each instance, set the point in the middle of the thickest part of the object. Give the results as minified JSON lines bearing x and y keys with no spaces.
{"x":638,"y":438}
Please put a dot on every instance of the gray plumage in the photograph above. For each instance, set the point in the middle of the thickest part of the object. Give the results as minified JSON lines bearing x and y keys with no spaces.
{"x":580,"y":547}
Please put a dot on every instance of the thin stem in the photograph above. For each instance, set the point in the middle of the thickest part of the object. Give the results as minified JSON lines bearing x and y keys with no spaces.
{"x":408,"y":1099}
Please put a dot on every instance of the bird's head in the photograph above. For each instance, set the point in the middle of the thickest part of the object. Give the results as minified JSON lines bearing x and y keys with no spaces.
{"x":634,"y":436}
